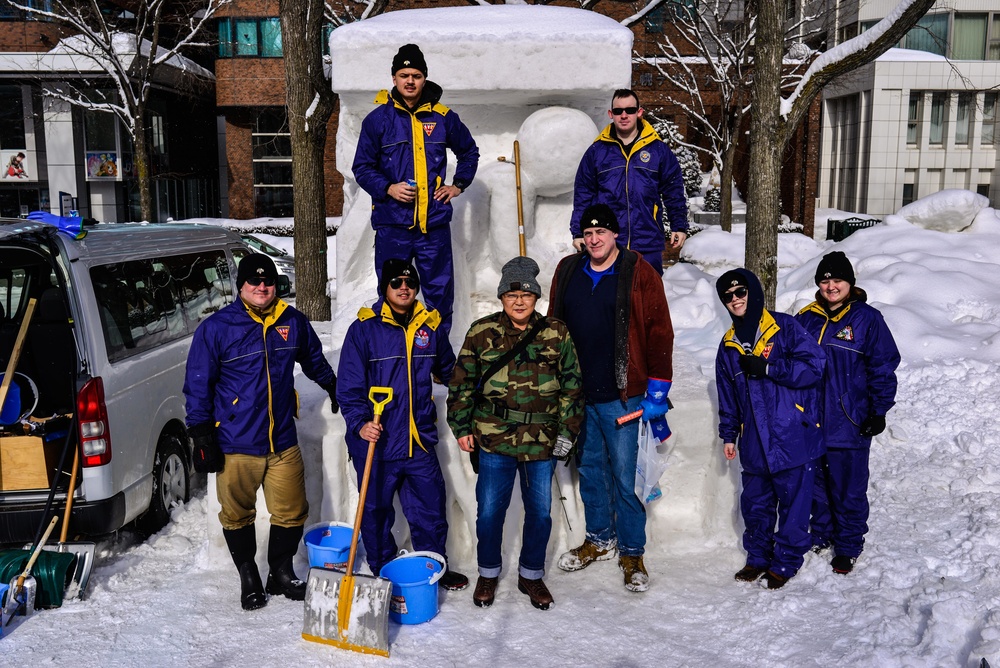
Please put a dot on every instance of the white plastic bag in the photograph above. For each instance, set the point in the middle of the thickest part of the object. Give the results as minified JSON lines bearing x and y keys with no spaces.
{"x":650,"y":464}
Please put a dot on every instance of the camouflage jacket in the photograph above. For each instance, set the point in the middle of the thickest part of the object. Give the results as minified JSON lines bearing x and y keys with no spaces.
{"x":543,"y":379}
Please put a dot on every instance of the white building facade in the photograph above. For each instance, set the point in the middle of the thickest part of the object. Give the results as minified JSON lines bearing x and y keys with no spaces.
{"x":919,"y":119}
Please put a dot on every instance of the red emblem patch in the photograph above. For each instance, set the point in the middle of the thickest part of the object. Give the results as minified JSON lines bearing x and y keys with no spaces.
{"x":429,"y":128}
{"x":283,"y":331}
{"x":767,"y":350}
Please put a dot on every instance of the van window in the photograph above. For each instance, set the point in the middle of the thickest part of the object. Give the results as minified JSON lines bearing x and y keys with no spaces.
{"x":150,"y":302}
{"x":12,"y":287}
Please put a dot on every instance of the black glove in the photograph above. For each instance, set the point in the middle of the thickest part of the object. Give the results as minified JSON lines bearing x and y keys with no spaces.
{"x":208,"y":458}
{"x":753,"y":366}
{"x":331,"y":389}
{"x":873,"y":426}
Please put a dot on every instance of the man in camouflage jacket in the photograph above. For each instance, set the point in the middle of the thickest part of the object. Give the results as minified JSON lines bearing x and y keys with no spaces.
{"x":522,"y":415}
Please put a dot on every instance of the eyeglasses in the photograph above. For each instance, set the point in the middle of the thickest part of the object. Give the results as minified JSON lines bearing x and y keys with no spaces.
{"x":514,"y":297}
{"x":738,"y":293}
{"x":397,"y":282}
{"x":257,"y":280}
{"x":618,"y":111}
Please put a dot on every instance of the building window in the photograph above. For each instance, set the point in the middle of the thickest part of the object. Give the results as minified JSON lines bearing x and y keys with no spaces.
{"x":864,"y":26}
{"x":914,"y":115}
{"x":849,"y":31}
{"x":989,"y":133}
{"x":250,"y":37}
{"x":11,"y":118}
{"x":930,"y":34}
{"x":272,"y":163}
{"x":969,"y":37}
{"x":993,"y":52}
{"x":909,"y":186}
{"x":962,"y":120}
{"x":939,"y":113}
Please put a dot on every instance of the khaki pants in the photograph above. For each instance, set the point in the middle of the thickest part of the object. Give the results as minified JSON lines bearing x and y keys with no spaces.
{"x":283,"y":478}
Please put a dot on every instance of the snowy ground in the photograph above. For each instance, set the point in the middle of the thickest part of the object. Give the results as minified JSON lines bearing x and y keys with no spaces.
{"x":926,"y":591}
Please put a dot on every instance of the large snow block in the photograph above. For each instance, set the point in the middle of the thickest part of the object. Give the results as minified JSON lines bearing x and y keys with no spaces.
{"x":527,"y":53}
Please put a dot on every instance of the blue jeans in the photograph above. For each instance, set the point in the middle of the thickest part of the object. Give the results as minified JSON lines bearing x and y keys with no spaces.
{"x":493,"y":492}
{"x":607,"y":478}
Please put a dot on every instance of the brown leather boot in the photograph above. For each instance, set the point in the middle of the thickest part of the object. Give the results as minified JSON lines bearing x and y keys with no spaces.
{"x":536,"y":591}
{"x":486,"y":591}
{"x":580,"y":557}
{"x":636,"y":577}
{"x":749,"y":573}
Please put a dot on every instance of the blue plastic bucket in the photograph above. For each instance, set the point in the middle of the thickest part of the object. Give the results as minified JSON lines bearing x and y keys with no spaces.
{"x":3,"y":601}
{"x":10,"y":412}
{"x":414,"y":578}
{"x":329,"y":545}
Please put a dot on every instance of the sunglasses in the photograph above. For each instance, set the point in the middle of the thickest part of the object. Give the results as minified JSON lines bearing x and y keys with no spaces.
{"x":257,"y":280}
{"x":738,"y":293}
{"x":397,"y":282}
{"x":618,"y":111}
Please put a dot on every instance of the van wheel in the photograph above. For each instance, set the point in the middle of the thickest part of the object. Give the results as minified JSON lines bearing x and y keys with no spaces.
{"x":171,"y":484}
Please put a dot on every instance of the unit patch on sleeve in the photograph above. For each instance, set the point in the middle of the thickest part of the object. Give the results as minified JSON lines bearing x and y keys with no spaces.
{"x":283,"y":330}
{"x":846,"y":334}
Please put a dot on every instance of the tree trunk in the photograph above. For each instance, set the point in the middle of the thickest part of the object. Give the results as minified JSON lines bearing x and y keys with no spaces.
{"x":309,"y":101}
{"x":140,"y":154}
{"x":766,"y":145}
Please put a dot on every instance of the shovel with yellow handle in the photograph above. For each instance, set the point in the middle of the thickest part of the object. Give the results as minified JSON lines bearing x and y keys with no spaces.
{"x":351,"y":611}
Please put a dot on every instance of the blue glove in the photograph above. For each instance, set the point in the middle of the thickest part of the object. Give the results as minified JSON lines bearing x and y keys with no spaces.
{"x":655,"y":404}
{"x":70,"y":225}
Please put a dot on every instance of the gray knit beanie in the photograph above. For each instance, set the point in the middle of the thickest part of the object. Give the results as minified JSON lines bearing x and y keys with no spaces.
{"x":520,"y":273}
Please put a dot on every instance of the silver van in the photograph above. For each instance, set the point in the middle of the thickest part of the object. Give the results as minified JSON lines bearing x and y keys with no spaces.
{"x":102,"y":367}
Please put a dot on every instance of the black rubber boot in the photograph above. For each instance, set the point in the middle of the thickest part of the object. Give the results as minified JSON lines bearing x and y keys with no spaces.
{"x":243,"y":548}
{"x":281,"y":548}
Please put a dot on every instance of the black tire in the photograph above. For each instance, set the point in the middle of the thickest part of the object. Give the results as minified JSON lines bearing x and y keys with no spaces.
{"x":171,"y":484}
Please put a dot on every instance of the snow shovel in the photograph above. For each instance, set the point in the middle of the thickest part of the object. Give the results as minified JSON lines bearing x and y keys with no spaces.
{"x":351,"y":611}
{"x":22,"y":588}
{"x":84,"y":551}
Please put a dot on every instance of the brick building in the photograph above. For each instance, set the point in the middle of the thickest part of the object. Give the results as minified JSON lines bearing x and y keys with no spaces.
{"x":257,"y":160}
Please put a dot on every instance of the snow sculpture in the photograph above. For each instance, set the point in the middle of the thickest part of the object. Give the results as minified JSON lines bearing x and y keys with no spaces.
{"x":500,"y":70}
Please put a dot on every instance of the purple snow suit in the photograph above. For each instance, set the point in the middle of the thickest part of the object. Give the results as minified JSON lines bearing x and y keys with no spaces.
{"x":774,"y":421}
{"x":379,"y":352}
{"x":397,"y":145}
{"x":637,"y":187}
{"x":859,"y":381}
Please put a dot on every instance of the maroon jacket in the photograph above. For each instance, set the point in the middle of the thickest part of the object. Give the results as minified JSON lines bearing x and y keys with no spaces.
{"x":644,"y":337}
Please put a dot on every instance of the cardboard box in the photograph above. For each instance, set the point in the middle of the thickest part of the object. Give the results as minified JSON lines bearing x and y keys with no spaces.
{"x":26,"y":462}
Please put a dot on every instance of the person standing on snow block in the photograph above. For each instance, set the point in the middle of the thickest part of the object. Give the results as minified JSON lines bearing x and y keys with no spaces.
{"x":516,"y":392}
{"x":401,"y":162}
{"x":614,"y":306}
{"x":241,"y":404}
{"x":859,"y":388}
{"x":398,"y":343}
{"x":629,"y":168}
{"x":768,"y":372}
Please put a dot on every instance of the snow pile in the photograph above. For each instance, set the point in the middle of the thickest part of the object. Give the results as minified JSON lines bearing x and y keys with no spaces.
{"x":946,"y":211}
{"x":924,"y":592}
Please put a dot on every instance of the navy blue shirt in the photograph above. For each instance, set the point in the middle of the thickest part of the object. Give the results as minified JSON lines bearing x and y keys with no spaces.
{"x":590,"y":316}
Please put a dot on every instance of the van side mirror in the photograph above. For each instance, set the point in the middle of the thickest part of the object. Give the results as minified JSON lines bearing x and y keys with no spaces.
{"x":283,"y":286}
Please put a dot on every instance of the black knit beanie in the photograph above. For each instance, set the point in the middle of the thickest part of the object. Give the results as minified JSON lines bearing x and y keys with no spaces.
{"x":255,"y":264}
{"x":409,"y":55}
{"x":393,"y":268}
{"x":599,"y":215}
{"x":835,"y":265}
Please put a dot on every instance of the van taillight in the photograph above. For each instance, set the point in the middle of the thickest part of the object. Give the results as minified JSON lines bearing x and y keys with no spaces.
{"x":95,"y":437}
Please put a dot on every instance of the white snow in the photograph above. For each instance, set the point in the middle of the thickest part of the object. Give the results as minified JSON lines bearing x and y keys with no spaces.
{"x":946,"y":210}
{"x":924,"y":593}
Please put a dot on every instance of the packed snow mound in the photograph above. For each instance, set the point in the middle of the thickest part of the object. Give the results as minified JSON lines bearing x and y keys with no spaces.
{"x":500,"y":48}
{"x":717,"y":251}
{"x":552,"y":141}
{"x":950,"y":210}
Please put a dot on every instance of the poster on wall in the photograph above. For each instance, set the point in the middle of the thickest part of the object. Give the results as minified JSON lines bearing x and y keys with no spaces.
{"x":17,"y":166}
{"x":102,"y":165}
